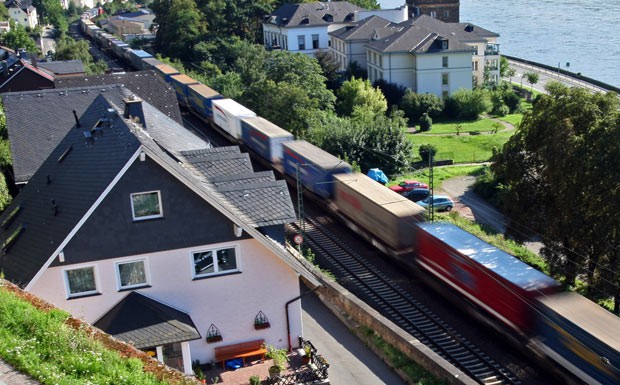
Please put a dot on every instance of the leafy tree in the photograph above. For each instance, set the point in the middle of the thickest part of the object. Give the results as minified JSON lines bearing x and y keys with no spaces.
{"x":240,"y":18}
{"x":416,"y":105}
{"x":330,"y":68}
{"x":360,"y":93}
{"x":181,"y":26}
{"x":69,"y":49}
{"x":466,"y":104}
{"x":427,"y":151}
{"x":567,"y":141}
{"x":532,"y":78}
{"x":368,"y":4}
{"x":367,"y":139}
{"x":504,"y":67}
{"x":5,"y":196}
{"x":17,"y":37}
{"x":4,"y":12}
{"x":393,"y":92}
{"x":354,"y":70}
{"x":510,"y":73}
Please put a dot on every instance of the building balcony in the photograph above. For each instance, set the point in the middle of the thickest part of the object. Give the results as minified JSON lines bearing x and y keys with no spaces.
{"x":491,"y":49}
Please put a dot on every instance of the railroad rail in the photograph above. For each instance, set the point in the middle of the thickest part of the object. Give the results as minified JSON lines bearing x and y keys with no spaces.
{"x":397,"y":305}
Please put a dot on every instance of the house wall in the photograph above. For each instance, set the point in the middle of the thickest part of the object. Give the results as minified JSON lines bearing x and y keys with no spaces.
{"x":287,"y":37}
{"x":262,"y":282}
{"x":111,"y":231}
{"x":230,"y":302}
{"x":429,"y":73}
{"x":23,"y":18}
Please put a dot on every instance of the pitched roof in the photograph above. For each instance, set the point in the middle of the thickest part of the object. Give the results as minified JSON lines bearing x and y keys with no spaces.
{"x":82,"y":168}
{"x":313,"y":14}
{"x":464,"y":32}
{"x":369,"y":28}
{"x":33,"y":135}
{"x":17,"y":67}
{"x":149,"y":86}
{"x":63,"y":67}
{"x":147,"y":323}
{"x":417,"y":38}
{"x":62,"y":191}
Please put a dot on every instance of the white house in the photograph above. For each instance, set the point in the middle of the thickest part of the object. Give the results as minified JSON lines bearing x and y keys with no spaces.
{"x":134,"y":224}
{"x":304,"y":27}
{"x":23,"y":12}
{"x":424,"y":54}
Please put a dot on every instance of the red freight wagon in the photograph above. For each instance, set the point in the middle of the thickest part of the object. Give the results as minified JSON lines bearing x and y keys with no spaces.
{"x":492,"y":279}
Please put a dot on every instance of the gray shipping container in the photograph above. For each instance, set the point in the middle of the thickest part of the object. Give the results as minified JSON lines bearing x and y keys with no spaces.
{"x":264,"y":137}
{"x":387,"y":215}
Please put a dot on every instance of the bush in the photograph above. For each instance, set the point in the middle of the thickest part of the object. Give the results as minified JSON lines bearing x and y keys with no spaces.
{"x":416,"y":105}
{"x":466,"y":104}
{"x":427,"y":150}
{"x":255,"y":380}
{"x":393,"y":92}
{"x":426,"y":123}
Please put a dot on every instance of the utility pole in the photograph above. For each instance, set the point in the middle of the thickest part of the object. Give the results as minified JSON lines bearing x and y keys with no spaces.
{"x":430,"y":185}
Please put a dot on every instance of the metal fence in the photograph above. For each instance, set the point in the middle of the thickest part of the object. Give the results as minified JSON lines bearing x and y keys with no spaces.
{"x":314,"y":372}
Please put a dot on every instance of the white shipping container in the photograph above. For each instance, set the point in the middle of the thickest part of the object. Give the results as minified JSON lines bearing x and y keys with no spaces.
{"x":227,"y":115}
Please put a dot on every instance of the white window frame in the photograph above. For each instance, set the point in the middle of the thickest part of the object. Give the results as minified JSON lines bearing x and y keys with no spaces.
{"x":84,"y":293}
{"x":142,"y":218}
{"x":214,"y":250}
{"x":147,"y":277}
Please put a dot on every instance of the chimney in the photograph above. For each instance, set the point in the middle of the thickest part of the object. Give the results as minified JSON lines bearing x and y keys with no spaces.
{"x":133,"y":110}
{"x":77,"y":120}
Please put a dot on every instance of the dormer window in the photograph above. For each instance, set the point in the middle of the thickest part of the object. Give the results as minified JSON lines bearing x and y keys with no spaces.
{"x":328,"y":18}
{"x":305,"y":20}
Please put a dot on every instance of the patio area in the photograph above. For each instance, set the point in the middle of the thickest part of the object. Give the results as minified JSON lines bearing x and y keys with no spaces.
{"x":296,"y":372}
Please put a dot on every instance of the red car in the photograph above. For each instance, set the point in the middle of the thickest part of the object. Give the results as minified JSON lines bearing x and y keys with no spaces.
{"x":407,"y":185}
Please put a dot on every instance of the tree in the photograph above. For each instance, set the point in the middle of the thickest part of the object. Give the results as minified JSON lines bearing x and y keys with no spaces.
{"x":17,"y":37}
{"x":426,"y":123}
{"x":330,"y":68}
{"x":467,"y":104}
{"x":393,"y":92}
{"x":4,"y":13}
{"x":427,"y":152}
{"x":181,"y":26}
{"x":510,"y":73}
{"x":567,"y":141}
{"x":532,"y":78}
{"x":241,"y":18}
{"x":360,"y":93}
{"x":416,"y":105}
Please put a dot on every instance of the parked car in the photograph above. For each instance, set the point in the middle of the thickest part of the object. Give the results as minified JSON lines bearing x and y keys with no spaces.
{"x":408,"y":185}
{"x":417,"y":194}
{"x":440,"y":203}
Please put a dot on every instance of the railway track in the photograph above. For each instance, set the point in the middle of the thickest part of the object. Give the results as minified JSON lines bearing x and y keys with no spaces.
{"x":397,"y":305}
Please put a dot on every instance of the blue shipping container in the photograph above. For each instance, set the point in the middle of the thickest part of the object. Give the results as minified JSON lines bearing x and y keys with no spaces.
{"x":316,"y":166}
{"x":201,"y":98}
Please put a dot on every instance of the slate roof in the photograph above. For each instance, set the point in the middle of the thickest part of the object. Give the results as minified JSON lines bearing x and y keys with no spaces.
{"x":69,"y":182}
{"x":370,"y":27}
{"x":418,"y":38}
{"x":313,"y":14}
{"x":147,"y":323}
{"x":15,"y":67}
{"x":63,"y":67}
{"x":464,"y":32}
{"x":149,"y":86}
{"x":33,"y":135}
{"x":64,"y":188}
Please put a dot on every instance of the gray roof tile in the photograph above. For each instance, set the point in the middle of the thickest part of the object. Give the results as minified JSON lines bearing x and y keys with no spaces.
{"x":313,"y":14}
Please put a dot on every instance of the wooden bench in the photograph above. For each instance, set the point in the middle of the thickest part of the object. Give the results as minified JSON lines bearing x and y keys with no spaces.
{"x":240,"y":350}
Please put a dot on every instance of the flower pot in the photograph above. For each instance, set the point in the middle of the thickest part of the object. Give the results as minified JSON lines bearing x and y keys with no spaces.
{"x":274,"y":371}
{"x":305,"y":360}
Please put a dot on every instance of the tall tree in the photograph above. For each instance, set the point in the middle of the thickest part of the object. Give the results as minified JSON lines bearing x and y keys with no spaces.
{"x":560,"y":178}
{"x":180,"y":26}
{"x":360,"y":93}
{"x":17,"y":37}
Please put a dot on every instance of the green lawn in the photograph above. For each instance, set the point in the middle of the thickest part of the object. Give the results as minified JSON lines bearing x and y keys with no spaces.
{"x":463,"y":148}
{"x":480,"y":125}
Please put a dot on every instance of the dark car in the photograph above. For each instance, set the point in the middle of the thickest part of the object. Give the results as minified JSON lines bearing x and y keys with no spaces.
{"x":417,"y":194}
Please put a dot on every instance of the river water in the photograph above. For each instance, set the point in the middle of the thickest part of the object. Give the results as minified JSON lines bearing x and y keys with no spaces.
{"x":583,"y":33}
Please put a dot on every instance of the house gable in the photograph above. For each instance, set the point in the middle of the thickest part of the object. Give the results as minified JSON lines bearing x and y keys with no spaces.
{"x":111,"y":231}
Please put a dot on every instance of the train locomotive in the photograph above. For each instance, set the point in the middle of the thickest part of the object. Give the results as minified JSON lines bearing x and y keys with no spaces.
{"x":575,"y":333}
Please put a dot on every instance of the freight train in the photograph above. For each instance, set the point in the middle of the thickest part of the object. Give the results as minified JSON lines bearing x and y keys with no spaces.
{"x":569,"y":329}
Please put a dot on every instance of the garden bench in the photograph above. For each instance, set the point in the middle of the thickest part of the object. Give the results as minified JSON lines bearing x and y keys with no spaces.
{"x":240,"y":350}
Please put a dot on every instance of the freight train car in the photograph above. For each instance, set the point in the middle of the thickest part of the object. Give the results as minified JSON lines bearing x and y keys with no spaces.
{"x":316,"y":166}
{"x":488,"y":277}
{"x":265,"y":138}
{"x":135,"y":58}
{"x":181,"y":83}
{"x":200,"y":98}
{"x":388,"y":216}
{"x":227,"y":115}
{"x":581,"y":336}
